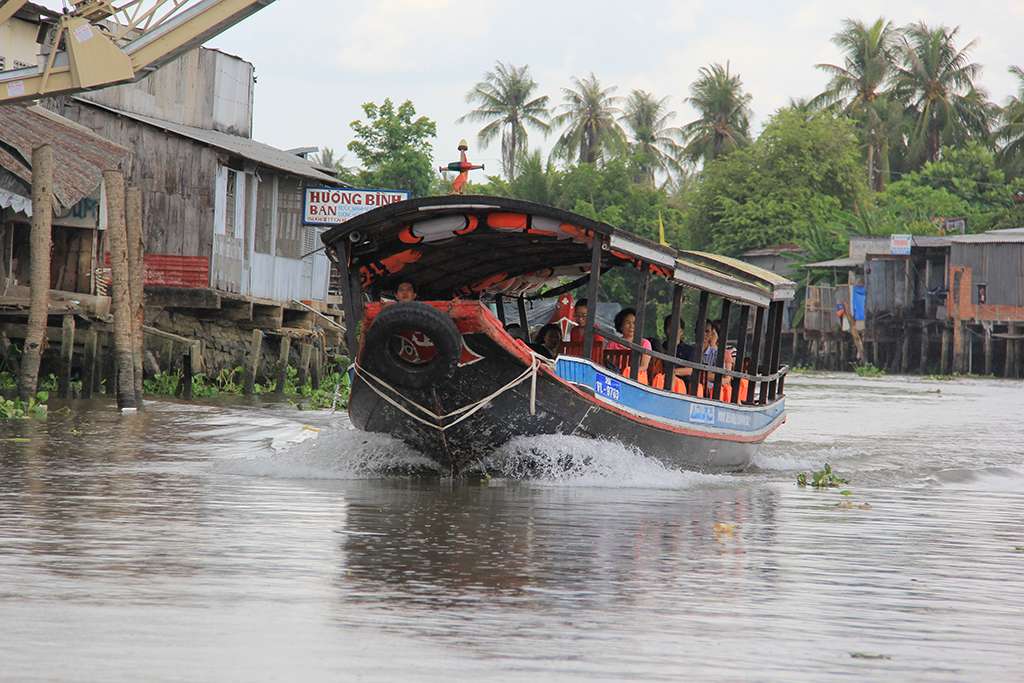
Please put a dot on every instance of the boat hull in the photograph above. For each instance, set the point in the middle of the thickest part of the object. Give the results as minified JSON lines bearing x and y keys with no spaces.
{"x":679,"y":431}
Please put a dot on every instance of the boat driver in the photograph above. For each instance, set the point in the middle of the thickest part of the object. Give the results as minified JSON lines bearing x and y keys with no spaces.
{"x":405,"y":292}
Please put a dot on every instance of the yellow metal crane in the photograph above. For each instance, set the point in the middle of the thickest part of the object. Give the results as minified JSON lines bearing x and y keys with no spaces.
{"x":104,"y":42}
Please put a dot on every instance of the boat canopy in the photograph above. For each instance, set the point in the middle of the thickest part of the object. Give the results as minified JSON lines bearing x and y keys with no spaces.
{"x":466,"y":245}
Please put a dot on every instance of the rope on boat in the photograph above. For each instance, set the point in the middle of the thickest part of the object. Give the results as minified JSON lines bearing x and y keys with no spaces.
{"x":378,"y":385}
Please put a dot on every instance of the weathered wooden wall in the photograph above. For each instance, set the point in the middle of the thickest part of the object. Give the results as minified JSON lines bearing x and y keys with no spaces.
{"x":177,"y":177}
{"x":1000,"y":266}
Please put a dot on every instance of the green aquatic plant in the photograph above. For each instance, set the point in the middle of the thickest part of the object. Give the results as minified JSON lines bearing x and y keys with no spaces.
{"x":824,"y":478}
{"x":868,"y":370}
{"x":16,"y":409}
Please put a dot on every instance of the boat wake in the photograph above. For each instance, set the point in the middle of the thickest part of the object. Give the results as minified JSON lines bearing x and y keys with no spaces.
{"x":575,"y":461}
{"x":334,"y":453}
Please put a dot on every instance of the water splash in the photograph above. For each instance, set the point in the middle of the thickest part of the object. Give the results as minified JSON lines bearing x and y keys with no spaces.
{"x":334,"y":453}
{"x":575,"y":461}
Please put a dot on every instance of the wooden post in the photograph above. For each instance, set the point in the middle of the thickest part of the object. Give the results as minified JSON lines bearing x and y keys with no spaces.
{"x":922,"y":366}
{"x":67,"y":355}
{"x":120,"y":300}
{"x":944,"y":351}
{"x":698,"y":342}
{"x":673,"y":335}
{"x":89,"y":374}
{"x":186,"y":374}
{"x":755,"y":351}
{"x":305,"y":355}
{"x":769,"y":351}
{"x":641,"y":318}
{"x":317,"y":370}
{"x":595,"y":277}
{"x":776,"y":339}
{"x":110,"y":365}
{"x":499,"y":308}
{"x":958,"y":345}
{"x":905,"y":349}
{"x":282,"y":365}
{"x":133,"y":230}
{"x":723,"y":324}
{"x":39,"y":275}
{"x":741,"y":348}
{"x":252,"y":365}
{"x":1011,"y":352}
{"x":986,"y":328}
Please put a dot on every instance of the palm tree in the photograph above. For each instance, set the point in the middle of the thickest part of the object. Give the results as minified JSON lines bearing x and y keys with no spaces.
{"x":723,"y":123}
{"x":590,"y":113}
{"x":507,"y":102}
{"x":937,"y":80}
{"x":647,"y":119}
{"x":869,"y":62}
{"x":1011,"y":132}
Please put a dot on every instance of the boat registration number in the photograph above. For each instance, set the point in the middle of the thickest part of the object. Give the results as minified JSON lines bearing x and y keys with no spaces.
{"x":606,"y":387}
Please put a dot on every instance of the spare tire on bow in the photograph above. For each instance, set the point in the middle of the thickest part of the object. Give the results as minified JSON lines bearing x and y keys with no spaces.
{"x":388,"y":341}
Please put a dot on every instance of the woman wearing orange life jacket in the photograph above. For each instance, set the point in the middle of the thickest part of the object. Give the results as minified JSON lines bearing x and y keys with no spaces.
{"x":625,"y":324}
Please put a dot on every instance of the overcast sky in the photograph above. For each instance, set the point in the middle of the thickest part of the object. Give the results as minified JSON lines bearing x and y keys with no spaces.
{"x":317,"y":61}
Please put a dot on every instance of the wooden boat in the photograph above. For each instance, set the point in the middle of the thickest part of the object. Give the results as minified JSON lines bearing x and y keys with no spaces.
{"x":444,"y":375}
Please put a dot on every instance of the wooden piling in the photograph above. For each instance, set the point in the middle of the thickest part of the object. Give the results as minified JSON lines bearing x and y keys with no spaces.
{"x":944,"y":351}
{"x":252,"y":365}
{"x":958,"y":346}
{"x":67,"y":355}
{"x":39,"y":275}
{"x":987,"y":346}
{"x":136,"y":269}
{"x":316,"y":372}
{"x":905,"y":350}
{"x":120,"y":300}
{"x":1009,"y":362}
{"x":305,"y":356}
{"x":110,"y":365}
{"x":186,"y":374}
{"x":922,"y":365}
{"x":89,"y":374}
{"x":282,"y":365}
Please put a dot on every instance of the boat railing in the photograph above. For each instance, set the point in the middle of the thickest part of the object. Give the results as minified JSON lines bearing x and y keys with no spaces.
{"x":765,"y":395}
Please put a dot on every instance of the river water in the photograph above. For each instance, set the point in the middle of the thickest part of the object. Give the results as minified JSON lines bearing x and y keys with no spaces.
{"x":259,"y":543}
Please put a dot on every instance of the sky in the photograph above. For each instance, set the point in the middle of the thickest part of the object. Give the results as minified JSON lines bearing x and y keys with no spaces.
{"x":317,"y":61}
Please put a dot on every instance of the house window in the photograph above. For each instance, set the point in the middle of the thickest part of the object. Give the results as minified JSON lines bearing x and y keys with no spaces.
{"x":264,"y":215}
{"x":231,"y":205}
{"x":289,"y":218}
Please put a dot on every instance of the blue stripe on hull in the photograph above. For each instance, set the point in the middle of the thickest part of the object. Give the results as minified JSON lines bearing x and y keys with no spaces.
{"x":674,"y":409}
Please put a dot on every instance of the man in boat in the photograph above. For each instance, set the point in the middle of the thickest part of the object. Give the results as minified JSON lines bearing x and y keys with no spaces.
{"x":405,"y":292}
{"x":579,"y":314}
{"x":681,"y":348}
{"x":548,"y":342}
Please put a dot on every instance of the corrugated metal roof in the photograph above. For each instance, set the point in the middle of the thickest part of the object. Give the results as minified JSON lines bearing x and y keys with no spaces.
{"x":776,"y":250}
{"x":15,"y":202}
{"x":246,"y":148}
{"x":80,"y":156}
{"x":930,"y":241}
{"x":845,"y":262}
{"x":994,"y":237}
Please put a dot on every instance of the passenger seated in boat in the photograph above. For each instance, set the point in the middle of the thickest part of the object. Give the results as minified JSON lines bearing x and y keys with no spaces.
{"x":579,"y":314}
{"x":548,"y":341}
{"x":681,"y":349}
{"x":515,"y":330}
{"x":405,"y":292}
{"x":728,"y":362}
{"x":625,"y":324}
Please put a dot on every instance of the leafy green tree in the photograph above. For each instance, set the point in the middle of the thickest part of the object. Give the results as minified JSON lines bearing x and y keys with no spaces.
{"x":394,"y":146}
{"x":507,"y":102}
{"x":800,"y":172}
{"x":653,"y":140}
{"x":857,"y":87}
{"x":723,"y":122}
{"x":937,"y":80}
{"x":590,"y":113}
{"x":1011,"y":132}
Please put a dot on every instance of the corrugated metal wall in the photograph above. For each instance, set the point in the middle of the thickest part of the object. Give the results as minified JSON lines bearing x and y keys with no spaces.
{"x":1000,"y":266}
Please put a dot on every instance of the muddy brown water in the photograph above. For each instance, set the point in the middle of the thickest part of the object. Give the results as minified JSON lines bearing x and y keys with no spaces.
{"x":211,"y":542}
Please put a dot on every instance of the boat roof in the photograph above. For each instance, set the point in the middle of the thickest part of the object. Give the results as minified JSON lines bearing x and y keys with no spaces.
{"x":465,"y":245}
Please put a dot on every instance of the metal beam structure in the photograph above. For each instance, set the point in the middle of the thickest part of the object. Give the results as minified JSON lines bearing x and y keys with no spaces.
{"x":105,"y":42}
